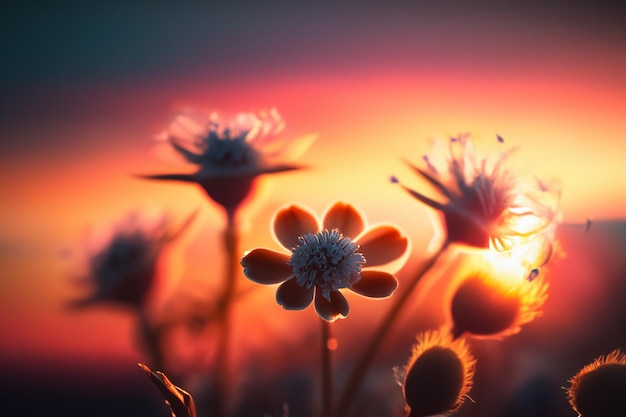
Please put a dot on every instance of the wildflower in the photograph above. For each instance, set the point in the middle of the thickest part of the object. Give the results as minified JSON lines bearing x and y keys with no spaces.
{"x":484,"y":203}
{"x":496,"y":298}
{"x":231,"y":157}
{"x":599,"y":389}
{"x":325,"y":260}
{"x":438,"y":376}
{"x":123,"y":266}
{"x":180,"y":401}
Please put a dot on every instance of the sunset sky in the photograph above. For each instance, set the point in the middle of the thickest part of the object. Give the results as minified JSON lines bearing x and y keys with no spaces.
{"x":85,"y":91}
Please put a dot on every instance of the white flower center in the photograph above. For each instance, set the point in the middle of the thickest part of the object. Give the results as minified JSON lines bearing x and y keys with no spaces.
{"x":326,"y":260}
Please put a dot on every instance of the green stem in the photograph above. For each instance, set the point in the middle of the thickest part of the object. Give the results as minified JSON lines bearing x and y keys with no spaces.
{"x":327,"y":379}
{"x":356,"y":377}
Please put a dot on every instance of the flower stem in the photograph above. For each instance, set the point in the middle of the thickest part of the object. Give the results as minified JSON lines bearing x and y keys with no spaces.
{"x":327,"y":379}
{"x":225,"y":302}
{"x":151,"y":337}
{"x":356,"y":377}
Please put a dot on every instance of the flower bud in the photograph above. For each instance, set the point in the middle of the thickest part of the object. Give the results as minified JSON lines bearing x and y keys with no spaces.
{"x":494,"y":303}
{"x":482,"y":310}
{"x":599,"y":389}
{"x":438,"y":375}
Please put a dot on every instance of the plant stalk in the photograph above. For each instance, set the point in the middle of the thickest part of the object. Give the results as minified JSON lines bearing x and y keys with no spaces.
{"x":224,"y":307}
{"x":327,"y":378}
{"x":356,"y":377}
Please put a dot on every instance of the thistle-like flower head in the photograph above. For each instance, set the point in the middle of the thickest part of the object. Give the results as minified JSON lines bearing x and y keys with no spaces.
{"x":483,"y":203}
{"x":122,"y":266}
{"x":599,"y":389}
{"x":226,"y":147}
{"x":326,"y":259}
{"x":231,"y":155}
{"x":438,"y":376}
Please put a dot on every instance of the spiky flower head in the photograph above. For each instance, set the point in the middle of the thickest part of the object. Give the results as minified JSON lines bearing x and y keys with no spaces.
{"x":599,"y":388}
{"x":438,"y":376}
{"x":122,"y":265}
{"x":482,"y":202}
{"x":231,"y":154}
{"x":326,"y":259}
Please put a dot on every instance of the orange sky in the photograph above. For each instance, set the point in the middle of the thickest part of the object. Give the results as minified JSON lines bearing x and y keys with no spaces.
{"x":69,"y":150}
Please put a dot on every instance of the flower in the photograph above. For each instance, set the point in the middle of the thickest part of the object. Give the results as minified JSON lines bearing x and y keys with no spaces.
{"x":231,"y":155}
{"x":438,"y":376}
{"x":485,"y":204}
{"x":180,"y":401}
{"x":599,"y":389}
{"x":496,"y":298}
{"x":122,"y":267}
{"x":327,"y":259}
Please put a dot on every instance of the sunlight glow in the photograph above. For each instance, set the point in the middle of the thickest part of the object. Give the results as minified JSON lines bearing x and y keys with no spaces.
{"x":533,"y":250}
{"x":519,"y":263}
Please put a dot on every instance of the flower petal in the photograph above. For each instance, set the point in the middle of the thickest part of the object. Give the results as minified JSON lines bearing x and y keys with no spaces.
{"x":190,"y":156}
{"x":375,"y":284}
{"x":346,"y":218}
{"x":336,"y":308}
{"x":172,"y":177}
{"x":292,"y":296}
{"x":292,"y":222}
{"x":266,"y":266}
{"x":382,"y":244}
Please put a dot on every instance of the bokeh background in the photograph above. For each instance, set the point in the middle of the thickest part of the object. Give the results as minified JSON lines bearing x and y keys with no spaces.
{"x":85,"y":91}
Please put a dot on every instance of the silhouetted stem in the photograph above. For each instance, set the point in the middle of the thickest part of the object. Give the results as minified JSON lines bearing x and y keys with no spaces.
{"x":327,"y":377}
{"x":225,"y":302}
{"x":151,"y":336}
{"x":356,"y":377}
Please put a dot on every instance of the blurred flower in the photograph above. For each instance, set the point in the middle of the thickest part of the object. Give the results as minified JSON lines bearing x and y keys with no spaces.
{"x":230,"y":156}
{"x":599,"y":389}
{"x":325,"y":260}
{"x":438,"y":376}
{"x":485,"y":204}
{"x":496,"y":298}
{"x":122,"y":267}
{"x":180,"y":401}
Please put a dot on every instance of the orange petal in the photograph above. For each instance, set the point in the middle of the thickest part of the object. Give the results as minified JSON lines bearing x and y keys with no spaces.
{"x":336,"y":308}
{"x":293,"y":222}
{"x":375,"y":284}
{"x":266,"y":266}
{"x":292,"y":296}
{"x":382,"y":244}
{"x":346,"y":218}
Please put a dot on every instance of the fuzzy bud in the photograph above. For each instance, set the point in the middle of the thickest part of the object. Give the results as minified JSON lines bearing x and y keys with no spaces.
{"x":599,"y":389}
{"x":438,"y":375}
